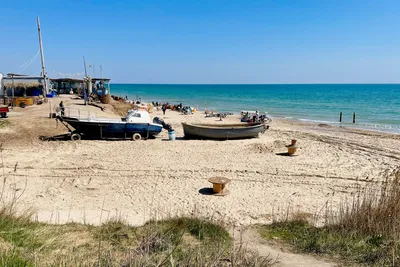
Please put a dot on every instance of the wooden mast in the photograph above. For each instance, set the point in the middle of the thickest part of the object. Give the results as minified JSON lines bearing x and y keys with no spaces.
{"x":42,"y":56}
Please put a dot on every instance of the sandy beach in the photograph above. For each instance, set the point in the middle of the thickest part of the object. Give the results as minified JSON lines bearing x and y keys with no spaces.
{"x":90,"y":181}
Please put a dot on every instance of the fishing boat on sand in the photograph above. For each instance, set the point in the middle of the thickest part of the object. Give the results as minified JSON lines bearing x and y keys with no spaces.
{"x":135,"y":125}
{"x":223,"y":131}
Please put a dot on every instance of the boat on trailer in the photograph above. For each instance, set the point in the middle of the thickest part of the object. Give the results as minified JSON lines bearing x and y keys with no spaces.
{"x":135,"y":125}
{"x":223,"y":131}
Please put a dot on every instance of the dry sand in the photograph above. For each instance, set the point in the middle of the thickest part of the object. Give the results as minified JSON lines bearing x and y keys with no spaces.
{"x":90,"y":181}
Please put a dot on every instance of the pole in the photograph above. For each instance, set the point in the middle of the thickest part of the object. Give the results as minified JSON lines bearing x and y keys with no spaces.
{"x":354,"y":117}
{"x":13,"y":89}
{"x":42,"y":56}
{"x":85,"y":83}
{"x":84,"y":64}
{"x":340,"y":117}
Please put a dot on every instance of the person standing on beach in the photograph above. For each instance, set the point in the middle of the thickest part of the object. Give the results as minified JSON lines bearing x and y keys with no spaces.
{"x":164,"y":108}
{"x":62,"y":108}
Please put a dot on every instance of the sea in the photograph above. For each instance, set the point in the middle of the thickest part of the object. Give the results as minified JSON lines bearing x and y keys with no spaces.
{"x":377,"y":106}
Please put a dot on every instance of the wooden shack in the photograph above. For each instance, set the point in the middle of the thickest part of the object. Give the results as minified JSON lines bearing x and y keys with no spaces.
{"x":17,"y":85}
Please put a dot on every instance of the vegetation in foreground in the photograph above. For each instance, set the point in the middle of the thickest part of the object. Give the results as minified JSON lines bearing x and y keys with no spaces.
{"x":364,"y":231}
{"x":174,"y":242}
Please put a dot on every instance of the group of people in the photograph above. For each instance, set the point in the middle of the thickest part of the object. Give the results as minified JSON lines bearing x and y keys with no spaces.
{"x":157,"y":104}
{"x":180,"y":108}
{"x":138,"y":101}
{"x":253,"y":117}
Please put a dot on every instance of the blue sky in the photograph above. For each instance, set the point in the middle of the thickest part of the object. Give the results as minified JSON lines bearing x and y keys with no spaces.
{"x":216,"y":41}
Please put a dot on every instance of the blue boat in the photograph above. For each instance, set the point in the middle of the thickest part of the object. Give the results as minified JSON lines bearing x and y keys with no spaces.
{"x":136,"y":125}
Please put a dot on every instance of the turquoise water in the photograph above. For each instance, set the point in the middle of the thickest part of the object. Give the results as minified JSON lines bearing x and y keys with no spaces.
{"x":377,"y":105}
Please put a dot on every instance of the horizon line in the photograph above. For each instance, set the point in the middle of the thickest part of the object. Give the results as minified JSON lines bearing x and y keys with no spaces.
{"x":354,"y":83}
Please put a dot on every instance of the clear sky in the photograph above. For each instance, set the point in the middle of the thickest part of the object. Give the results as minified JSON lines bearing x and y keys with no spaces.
{"x":215,"y":41}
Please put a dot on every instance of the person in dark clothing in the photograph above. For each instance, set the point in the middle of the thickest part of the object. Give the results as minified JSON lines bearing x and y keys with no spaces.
{"x":62,"y":108}
{"x":164,"y":108}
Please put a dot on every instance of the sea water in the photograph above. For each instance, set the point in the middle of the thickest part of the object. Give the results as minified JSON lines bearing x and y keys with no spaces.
{"x":377,"y":106}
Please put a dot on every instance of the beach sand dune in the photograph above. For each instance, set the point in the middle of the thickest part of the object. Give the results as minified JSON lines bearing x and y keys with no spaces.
{"x":90,"y":181}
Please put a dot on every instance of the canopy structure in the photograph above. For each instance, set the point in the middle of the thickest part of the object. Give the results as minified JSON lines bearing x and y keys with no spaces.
{"x":66,"y":85}
{"x":22,"y":85}
{"x":16,"y":75}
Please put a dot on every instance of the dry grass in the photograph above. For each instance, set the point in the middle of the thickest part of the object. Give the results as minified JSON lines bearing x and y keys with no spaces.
{"x":121,"y":107}
{"x":105,"y":99}
{"x":21,"y":131}
{"x":173,"y":242}
{"x":365,"y":230}
{"x":374,"y":210}
{"x":23,"y":85}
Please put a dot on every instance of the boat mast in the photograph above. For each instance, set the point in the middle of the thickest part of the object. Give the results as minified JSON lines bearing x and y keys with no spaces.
{"x":86,"y":81}
{"x":42,"y":56}
{"x":84,"y":64}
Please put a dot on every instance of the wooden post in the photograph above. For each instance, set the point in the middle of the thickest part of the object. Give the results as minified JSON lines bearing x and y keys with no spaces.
{"x":354,"y":117}
{"x":42,"y":56}
{"x":340,"y":117}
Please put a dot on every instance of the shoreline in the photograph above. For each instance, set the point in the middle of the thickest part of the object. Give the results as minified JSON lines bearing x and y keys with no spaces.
{"x":77,"y":181}
{"x":374,"y":104}
{"x":349,"y":125}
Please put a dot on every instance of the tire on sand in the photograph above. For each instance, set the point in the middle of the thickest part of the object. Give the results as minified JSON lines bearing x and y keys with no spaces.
{"x":75,"y":137}
{"x":136,"y":137}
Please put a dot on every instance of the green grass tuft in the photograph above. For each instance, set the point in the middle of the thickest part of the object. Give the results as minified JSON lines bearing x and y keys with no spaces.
{"x":201,"y":229}
{"x":364,"y":249}
{"x":13,"y":259}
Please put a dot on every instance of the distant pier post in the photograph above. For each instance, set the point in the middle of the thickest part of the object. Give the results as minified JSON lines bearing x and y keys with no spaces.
{"x":340,"y":117}
{"x":354,"y":117}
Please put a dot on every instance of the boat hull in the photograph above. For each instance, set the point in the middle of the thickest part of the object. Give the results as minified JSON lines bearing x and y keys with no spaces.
{"x":103,"y":130}
{"x":223,"y":132}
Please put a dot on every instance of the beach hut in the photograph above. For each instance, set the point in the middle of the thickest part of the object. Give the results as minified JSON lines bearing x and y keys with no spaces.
{"x":17,"y":85}
{"x":66,"y":85}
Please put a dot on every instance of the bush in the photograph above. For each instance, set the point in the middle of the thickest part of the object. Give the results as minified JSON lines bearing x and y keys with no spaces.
{"x":365,"y":231}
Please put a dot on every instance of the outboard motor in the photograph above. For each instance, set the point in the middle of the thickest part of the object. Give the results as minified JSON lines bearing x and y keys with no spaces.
{"x":166,"y":126}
